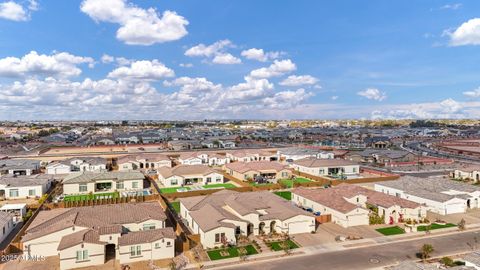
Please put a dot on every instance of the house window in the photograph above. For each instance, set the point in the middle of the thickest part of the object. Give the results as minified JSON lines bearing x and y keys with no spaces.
{"x":284,"y":174}
{"x":219,"y":179}
{"x":174,"y":182}
{"x":135,"y":251}
{"x":82,"y":188}
{"x":157,"y":245}
{"x":82,"y":255}
{"x":134,"y":184}
{"x":168,"y":243}
{"x":322,"y":171}
{"x":209,"y":179}
{"x":31,"y":192}
{"x":13,"y":192}
{"x":120,"y":185}
{"x":219,"y":237}
{"x":354,"y":170}
{"x":149,"y":226}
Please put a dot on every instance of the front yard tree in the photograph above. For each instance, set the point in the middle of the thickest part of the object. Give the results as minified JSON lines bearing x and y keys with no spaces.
{"x":461,"y":224}
{"x":426,"y":250}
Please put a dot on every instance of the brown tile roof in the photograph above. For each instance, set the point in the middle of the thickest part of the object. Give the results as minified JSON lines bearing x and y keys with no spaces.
{"x":148,"y":236}
{"x":94,"y":217}
{"x":211,"y":211}
{"x":251,"y":152}
{"x":83,"y":236}
{"x":317,"y":162}
{"x":182,"y":170}
{"x":243,"y":167}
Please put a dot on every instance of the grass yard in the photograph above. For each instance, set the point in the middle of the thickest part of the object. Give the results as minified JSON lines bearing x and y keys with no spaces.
{"x":232,"y":252}
{"x":391,"y":230}
{"x":289,"y":182}
{"x":172,"y":189}
{"x":88,"y":197}
{"x":176,"y":206}
{"x":277,"y":246}
{"x":226,"y":185}
{"x":435,"y":226}
{"x":287,"y":195}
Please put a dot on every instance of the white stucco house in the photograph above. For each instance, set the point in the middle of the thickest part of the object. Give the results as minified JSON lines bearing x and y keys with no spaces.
{"x":92,"y":235}
{"x":143,"y":161}
{"x":184,"y":175}
{"x":77,"y":164}
{"x":248,"y":155}
{"x":218,"y":218}
{"x":102,"y":182}
{"x":338,"y":168}
{"x":442,"y":196}
{"x":19,"y":166}
{"x":351,"y":205}
{"x":467,"y":172}
{"x":24,"y":186}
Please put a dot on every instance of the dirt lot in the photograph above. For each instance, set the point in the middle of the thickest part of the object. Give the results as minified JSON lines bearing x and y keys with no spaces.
{"x":327,"y":232}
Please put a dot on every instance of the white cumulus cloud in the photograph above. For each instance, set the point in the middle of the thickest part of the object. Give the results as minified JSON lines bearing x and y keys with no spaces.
{"x":59,"y":64}
{"x":373,"y":93}
{"x":142,"y":70}
{"x":276,"y":69}
{"x":473,"y":94}
{"x":216,"y":51}
{"x":138,"y":26}
{"x":294,"y":80}
{"x":466,"y":34}
{"x":15,"y":11}
{"x":260,"y":55}
{"x":226,"y":59}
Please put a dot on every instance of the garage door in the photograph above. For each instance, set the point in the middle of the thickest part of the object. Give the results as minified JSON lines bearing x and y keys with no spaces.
{"x":299,"y":227}
{"x":455,"y":208}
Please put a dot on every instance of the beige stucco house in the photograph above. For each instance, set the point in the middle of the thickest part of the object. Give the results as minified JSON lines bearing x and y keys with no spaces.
{"x":218,"y":218}
{"x":88,"y":236}
{"x":102,"y":182}
{"x":143,"y":161}
{"x":338,"y":168}
{"x":184,"y":175}
{"x":271,"y":170}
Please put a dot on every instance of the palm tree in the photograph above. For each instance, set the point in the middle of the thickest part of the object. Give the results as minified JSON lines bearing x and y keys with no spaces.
{"x":426,"y":250}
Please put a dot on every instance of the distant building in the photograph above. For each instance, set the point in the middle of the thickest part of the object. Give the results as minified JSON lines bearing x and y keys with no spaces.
{"x":337,"y":168}
{"x":19,"y":166}
{"x":24,"y":186}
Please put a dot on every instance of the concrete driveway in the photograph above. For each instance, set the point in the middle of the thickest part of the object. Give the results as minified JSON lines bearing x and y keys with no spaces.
{"x":327,"y":232}
{"x":471,"y":217}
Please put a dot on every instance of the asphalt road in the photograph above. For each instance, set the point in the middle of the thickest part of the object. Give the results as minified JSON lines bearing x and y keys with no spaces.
{"x":371,"y":257}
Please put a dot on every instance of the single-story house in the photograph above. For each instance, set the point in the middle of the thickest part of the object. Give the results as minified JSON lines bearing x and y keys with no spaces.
{"x":338,"y":168}
{"x":382,"y":156}
{"x":143,"y":161}
{"x":248,"y":155}
{"x":467,"y":172}
{"x":442,"y":196}
{"x":77,"y":164}
{"x":296,"y":153}
{"x":24,"y":186}
{"x":19,"y":166}
{"x":183,"y":175}
{"x":102,"y":182}
{"x":269,"y":170}
{"x":351,"y":205}
{"x":220,"y":217}
{"x":87,"y":236}
{"x":19,"y":210}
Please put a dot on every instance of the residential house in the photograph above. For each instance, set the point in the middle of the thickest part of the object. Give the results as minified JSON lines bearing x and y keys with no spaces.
{"x":19,"y":210}
{"x":351,"y":205}
{"x":24,"y":186}
{"x":270,"y":171}
{"x":184,"y":175}
{"x":77,"y":164}
{"x":379,"y":142}
{"x":382,"y":156}
{"x":220,"y":217}
{"x":143,"y":161}
{"x":337,"y":168}
{"x":19,"y":166}
{"x":442,"y":196}
{"x":6,"y":223}
{"x":467,"y":172}
{"x":295,"y":153}
{"x":197,"y":158}
{"x":102,"y":182}
{"x":88,"y":236}
{"x":248,"y":155}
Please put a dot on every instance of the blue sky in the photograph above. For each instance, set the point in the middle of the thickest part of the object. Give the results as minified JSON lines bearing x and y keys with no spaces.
{"x":119,"y":59}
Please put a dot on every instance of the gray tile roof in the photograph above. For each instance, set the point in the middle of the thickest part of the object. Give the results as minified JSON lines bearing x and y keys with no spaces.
{"x":83,"y":236}
{"x":148,"y":236}
{"x":318,"y":163}
{"x":25,"y":180}
{"x":87,"y":177}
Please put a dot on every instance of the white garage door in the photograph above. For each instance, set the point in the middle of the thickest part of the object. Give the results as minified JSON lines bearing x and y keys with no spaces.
{"x":455,"y":208}
{"x":299,"y":227}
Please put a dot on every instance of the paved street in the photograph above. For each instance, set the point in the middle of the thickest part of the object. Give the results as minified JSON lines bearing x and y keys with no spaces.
{"x":370,"y":257}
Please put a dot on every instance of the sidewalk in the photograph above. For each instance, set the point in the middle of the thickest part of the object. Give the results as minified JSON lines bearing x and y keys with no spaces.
{"x":331,"y":247}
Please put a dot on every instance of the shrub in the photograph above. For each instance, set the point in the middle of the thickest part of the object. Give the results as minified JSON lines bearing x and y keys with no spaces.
{"x":447,"y":261}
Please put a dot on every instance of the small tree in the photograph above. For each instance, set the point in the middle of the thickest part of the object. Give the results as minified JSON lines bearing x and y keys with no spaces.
{"x":461,"y":224}
{"x":426,"y":250}
{"x":447,"y":261}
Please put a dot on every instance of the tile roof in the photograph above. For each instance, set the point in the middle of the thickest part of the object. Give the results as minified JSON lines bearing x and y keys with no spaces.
{"x":317,"y":162}
{"x":213,"y":211}
{"x":83,"y":236}
{"x":25,"y":180}
{"x":87,"y":177}
{"x":256,"y":166}
{"x":148,"y":236}
{"x":94,"y":217}
{"x":250,"y":152}
{"x":185,"y":170}
{"x":5,"y":217}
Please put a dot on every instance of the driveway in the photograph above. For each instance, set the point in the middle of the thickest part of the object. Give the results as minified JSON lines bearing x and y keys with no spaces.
{"x":471,"y":217}
{"x":327,"y":232}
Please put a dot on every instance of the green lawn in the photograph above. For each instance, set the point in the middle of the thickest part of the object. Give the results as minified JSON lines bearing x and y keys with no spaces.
{"x":227,"y":185}
{"x":289,"y":182}
{"x":172,"y":189}
{"x":435,"y":226}
{"x":232,"y":252}
{"x":287,"y":195}
{"x":276,"y":246}
{"x":176,"y":206}
{"x":88,"y":197}
{"x":391,"y":230}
